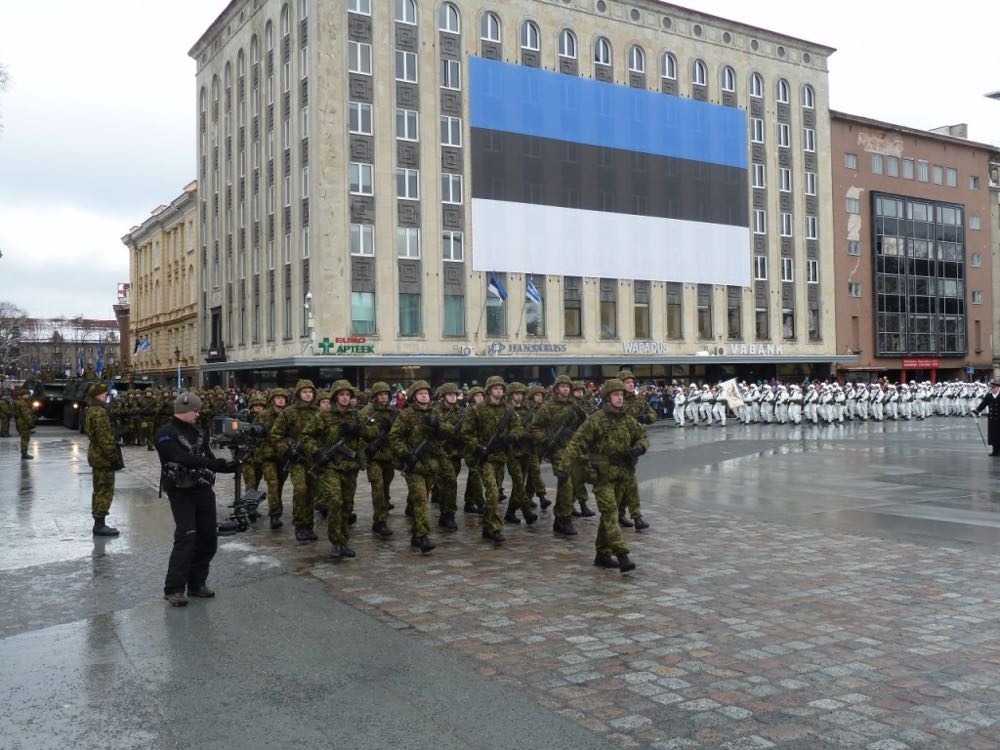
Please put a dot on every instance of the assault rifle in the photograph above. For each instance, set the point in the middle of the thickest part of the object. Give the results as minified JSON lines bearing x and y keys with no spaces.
{"x":340,"y":448}
{"x":416,"y":457}
{"x":383,"y":439}
{"x":294,"y":451}
{"x":494,"y":443}
{"x":561,"y":436}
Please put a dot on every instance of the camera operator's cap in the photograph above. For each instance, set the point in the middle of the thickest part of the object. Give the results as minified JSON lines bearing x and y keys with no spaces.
{"x":187,"y":402}
{"x":97,"y":389}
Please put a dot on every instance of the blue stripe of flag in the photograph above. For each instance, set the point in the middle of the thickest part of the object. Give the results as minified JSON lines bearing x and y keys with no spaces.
{"x":541,"y":103}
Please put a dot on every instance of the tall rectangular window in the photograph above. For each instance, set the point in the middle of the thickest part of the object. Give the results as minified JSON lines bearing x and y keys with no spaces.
{"x":937,"y":174}
{"x":923,"y":171}
{"x":877,"y":165}
{"x":451,"y":74}
{"x":761,"y":328}
{"x":785,"y":179}
{"x":362,"y":313}
{"x":951,"y":177}
{"x":534,"y":311}
{"x":705,"y":311}
{"x":853,"y":205}
{"x":786,"y":225}
{"x":808,"y":139}
{"x":609,"y":308}
{"x":406,"y":66}
{"x":760,"y":267}
{"x":362,"y":239}
{"x":892,"y":166}
{"x":359,"y":57}
{"x":734,"y":313}
{"x":406,"y":125}
{"x":451,"y":188}
{"x":907,"y":169}
{"x":675,"y":293}
{"x":572,"y":306}
{"x":757,"y":130}
{"x":409,"y":314}
{"x":408,"y":242}
{"x":454,"y":315}
{"x":812,"y":271}
{"x":812,"y":228}
{"x":452,"y":245}
{"x":810,"y":183}
{"x":408,"y":184}
{"x":851,"y":161}
{"x":496,"y":311}
{"x":787,"y":323}
{"x":784,"y":135}
{"x":759,"y":221}
{"x":360,"y":178}
{"x":853,"y":247}
{"x":451,"y":131}
{"x":787,"y":272}
{"x":640,"y":317}
{"x":758,"y":176}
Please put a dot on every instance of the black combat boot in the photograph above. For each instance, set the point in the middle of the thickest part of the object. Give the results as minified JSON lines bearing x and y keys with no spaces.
{"x":336,"y":552}
{"x":623,"y":521}
{"x":585,"y":511}
{"x":276,"y":522}
{"x":563,"y":526}
{"x":544,"y":501}
{"x":303,"y":534}
{"x":640,"y":524}
{"x":624,"y":564}
{"x":26,"y":457}
{"x":503,"y":495}
{"x":604,"y":560}
{"x":511,"y":517}
{"x":352,"y":519}
{"x":470,"y":508}
{"x":346,"y":551}
{"x":423,"y":543}
{"x":447,"y":521}
{"x":101,"y":529}
{"x":323,"y":512}
{"x":381,"y":528}
{"x":529,"y":516}
{"x":493,"y":536}
{"x":409,"y":511}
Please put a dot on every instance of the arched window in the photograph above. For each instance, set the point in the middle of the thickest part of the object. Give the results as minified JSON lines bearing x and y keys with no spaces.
{"x":756,"y":86}
{"x":215,"y":98}
{"x":489,"y":27}
{"x":782,"y":91}
{"x":240,"y":65}
{"x":254,"y":50}
{"x":285,"y":28}
{"x":567,"y":44}
{"x":699,"y":73}
{"x":668,"y":66}
{"x":728,"y":79}
{"x":602,"y":51}
{"x":406,"y":11}
{"x":448,"y":19}
{"x":529,"y":36}
{"x":269,"y":37}
{"x":808,"y":97}
{"x":303,"y":10}
{"x":636,"y":59}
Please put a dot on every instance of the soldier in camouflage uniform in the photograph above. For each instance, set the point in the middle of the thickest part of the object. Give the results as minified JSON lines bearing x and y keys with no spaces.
{"x":337,"y":474}
{"x":518,"y":452}
{"x":149,"y":406}
{"x":24,"y":420}
{"x":285,"y":437}
{"x":448,"y":414}
{"x":586,"y":401}
{"x":474,"y":480}
{"x":533,"y":483}
{"x":611,"y":440}
{"x":638,"y":407}
{"x":253,"y":469}
{"x":5,"y":412}
{"x":378,"y":454}
{"x":271,"y":458}
{"x":491,"y":420}
{"x":164,"y":409}
{"x":415,"y":447}
{"x":102,"y":455}
{"x":554,"y":423}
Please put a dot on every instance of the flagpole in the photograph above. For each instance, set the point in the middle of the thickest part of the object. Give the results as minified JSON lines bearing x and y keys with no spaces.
{"x":482,"y":312}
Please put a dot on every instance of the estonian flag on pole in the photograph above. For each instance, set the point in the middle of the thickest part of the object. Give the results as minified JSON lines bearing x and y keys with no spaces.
{"x":495,"y":288}
{"x":532,"y":293}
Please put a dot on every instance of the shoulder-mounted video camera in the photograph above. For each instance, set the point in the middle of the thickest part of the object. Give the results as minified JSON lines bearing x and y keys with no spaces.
{"x":232,"y":433}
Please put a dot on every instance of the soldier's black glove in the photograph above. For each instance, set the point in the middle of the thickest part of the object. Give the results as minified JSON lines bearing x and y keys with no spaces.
{"x":480,"y":453}
{"x":431,"y":421}
{"x":645,"y":418}
{"x":637,"y":450}
{"x":317,"y":457}
{"x":350,"y":429}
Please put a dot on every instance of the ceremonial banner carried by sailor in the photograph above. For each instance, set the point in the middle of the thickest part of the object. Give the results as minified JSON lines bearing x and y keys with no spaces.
{"x":581,"y":177}
{"x":731,"y":393}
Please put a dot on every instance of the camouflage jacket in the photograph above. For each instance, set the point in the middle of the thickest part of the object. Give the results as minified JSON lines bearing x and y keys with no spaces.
{"x":604,"y":442}
{"x":524,"y":444}
{"x":550,"y":417}
{"x":268,"y":451}
{"x":408,"y":433}
{"x":22,"y":413}
{"x":483,"y":422}
{"x":103,"y":450}
{"x":451,"y":419}
{"x":323,"y":431}
{"x":384,"y":417}
{"x":4,"y":408}
{"x":288,"y":427}
{"x":638,"y":407}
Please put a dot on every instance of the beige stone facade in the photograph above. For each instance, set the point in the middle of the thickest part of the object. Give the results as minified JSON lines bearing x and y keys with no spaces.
{"x":163,"y":301}
{"x":915,"y":294}
{"x":275,"y":87}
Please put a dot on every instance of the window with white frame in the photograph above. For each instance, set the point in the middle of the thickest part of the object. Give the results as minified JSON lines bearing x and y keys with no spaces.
{"x":923,"y":171}
{"x":907,"y":169}
{"x":951,"y":177}
{"x":359,"y":57}
{"x":784,"y":134}
{"x":808,"y":97}
{"x":808,"y":139}
{"x":408,"y":184}
{"x":812,"y":271}
{"x":360,"y":178}
{"x":973,"y":182}
{"x":489,"y":27}
{"x":756,"y":86}
{"x":529,"y":36}
{"x":407,"y":128}
{"x":853,"y":247}
{"x":759,"y":221}
{"x":975,"y":222}
{"x":810,"y":183}
{"x":851,"y":161}
{"x":786,"y":224}
{"x":758,"y":176}
{"x":782,"y":91}
{"x":784,"y":179}
{"x":977,"y":298}
{"x":853,"y":289}
{"x":853,"y":205}
{"x":567,"y":44}
{"x":304,"y":123}
{"x":451,"y":188}
{"x":406,"y":66}
{"x":287,"y":185}
{"x":305,"y":181}
{"x":453,"y":245}
{"x":937,"y":174}
{"x":364,"y":7}
{"x":636,"y":59}
{"x":812,"y":228}
{"x":757,"y":129}
{"x":976,"y":261}
{"x":304,"y":241}
{"x":668,"y":67}
{"x":760,"y":267}
{"x":892,"y":166}
{"x":405,"y":11}
{"x":408,"y":242}
{"x":877,"y":164}
{"x":363,"y":239}
{"x":699,"y":73}
{"x":359,"y":119}
{"x":787,"y":269}
{"x":451,"y":74}
{"x":451,"y":131}
{"x":448,"y":19}
{"x":728,"y":79}
{"x":602,"y":51}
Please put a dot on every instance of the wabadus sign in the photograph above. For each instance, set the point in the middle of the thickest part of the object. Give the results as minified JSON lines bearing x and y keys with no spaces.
{"x":346,"y":345}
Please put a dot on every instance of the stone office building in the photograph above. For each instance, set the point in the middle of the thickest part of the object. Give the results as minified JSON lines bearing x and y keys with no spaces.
{"x":343,"y":146}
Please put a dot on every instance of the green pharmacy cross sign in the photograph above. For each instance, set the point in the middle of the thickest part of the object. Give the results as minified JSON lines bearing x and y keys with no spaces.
{"x":346,"y":345}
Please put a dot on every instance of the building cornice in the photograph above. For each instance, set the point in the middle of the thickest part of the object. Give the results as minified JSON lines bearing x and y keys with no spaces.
{"x":163,"y":218}
{"x":889,"y":126}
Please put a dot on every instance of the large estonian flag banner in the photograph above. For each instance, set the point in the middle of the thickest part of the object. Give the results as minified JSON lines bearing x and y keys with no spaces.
{"x":580,"y":177}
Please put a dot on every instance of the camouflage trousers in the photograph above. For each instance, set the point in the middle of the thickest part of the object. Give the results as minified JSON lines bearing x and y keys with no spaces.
{"x":578,"y":474}
{"x":5,"y":425}
{"x":417,"y":491}
{"x":303,"y":496}
{"x":629,"y":499}
{"x":253,"y":472}
{"x":517,"y":467}
{"x":24,"y":430}
{"x":608,"y":491}
{"x":492,"y":474}
{"x":380,"y":475}
{"x":473,"y":486}
{"x":274,"y":479}
{"x":533,"y":483}
{"x":564,"y":491}
{"x":335,"y":491}
{"x":445,"y":490}
{"x":104,"y":490}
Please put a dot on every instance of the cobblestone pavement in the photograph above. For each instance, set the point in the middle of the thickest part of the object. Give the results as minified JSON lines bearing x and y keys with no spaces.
{"x":833,"y":588}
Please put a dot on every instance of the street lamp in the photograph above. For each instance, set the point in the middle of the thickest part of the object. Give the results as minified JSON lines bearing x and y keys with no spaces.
{"x":177,"y":357}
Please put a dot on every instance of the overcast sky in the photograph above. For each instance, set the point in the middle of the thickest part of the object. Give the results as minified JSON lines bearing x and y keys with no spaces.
{"x":99,"y":118}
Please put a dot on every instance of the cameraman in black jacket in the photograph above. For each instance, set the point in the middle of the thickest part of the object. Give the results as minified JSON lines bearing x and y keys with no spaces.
{"x":188,"y":474}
